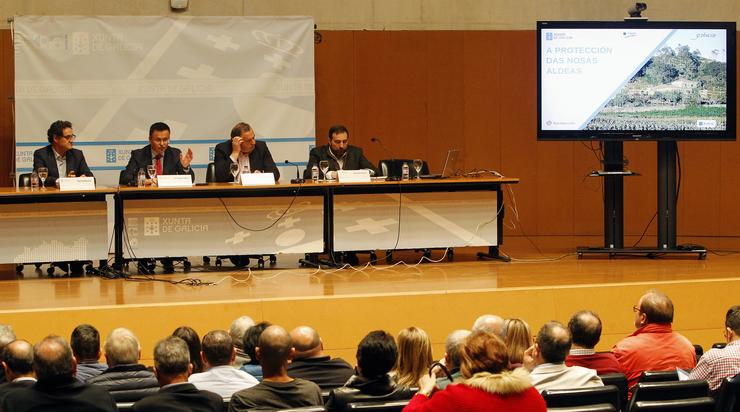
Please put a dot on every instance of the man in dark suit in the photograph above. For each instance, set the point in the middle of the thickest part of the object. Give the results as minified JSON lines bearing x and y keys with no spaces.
{"x":17,"y":360}
{"x":310,"y":362}
{"x":167,"y":160}
{"x":59,"y":156}
{"x":249,"y":154}
{"x":339,"y":153}
{"x":172,"y":367}
{"x":57,"y":389}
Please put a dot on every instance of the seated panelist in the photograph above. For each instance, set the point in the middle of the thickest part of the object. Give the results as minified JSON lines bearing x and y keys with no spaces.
{"x":339,"y":153}
{"x":166,"y":159}
{"x":59,"y":157}
{"x":242,"y":149}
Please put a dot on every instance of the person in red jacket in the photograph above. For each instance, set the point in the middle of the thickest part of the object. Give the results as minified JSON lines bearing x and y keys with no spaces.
{"x":487,"y":384}
{"x":585,"y":329}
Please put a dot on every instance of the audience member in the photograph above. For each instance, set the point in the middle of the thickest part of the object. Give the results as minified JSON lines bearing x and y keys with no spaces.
{"x":717,"y":364}
{"x":376,"y":356}
{"x":414,"y":356}
{"x":517,"y":338}
{"x":585,"y":329}
{"x":57,"y":389}
{"x":249,"y":343}
{"x":277,"y":390}
{"x":238,"y":327}
{"x":172,"y":367}
{"x":17,"y":361}
{"x":487,"y":384}
{"x":311,"y":364}
{"x":654,"y":345}
{"x":190,"y":336}
{"x":546,"y":361}
{"x":489,"y":323}
{"x":218,"y":355}
{"x":453,"y":345}
{"x":126,"y":379}
{"x":6,"y":336}
{"x":85,"y":342}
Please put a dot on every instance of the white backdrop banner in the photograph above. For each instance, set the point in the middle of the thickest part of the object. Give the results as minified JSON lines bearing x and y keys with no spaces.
{"x":114,"y":76}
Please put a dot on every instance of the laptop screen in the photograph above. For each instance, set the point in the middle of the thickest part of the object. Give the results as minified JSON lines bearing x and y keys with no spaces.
{"x":450,"y":163}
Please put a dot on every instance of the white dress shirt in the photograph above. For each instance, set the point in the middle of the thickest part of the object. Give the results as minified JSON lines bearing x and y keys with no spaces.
{"x":223,"y":380}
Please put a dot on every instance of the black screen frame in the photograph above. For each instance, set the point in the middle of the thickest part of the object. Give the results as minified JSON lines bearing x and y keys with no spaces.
{"x":648,"y":135}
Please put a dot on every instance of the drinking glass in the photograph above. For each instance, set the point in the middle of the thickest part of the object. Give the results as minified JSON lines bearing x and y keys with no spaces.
{"x":152,"y":170}
{"x":43,"y":174}
{"x":234,"y":169}
{"x":324,"y":166}
{"x":418,"y":163}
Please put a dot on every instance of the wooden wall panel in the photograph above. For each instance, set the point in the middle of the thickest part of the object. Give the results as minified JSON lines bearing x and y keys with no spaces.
{"x":336,"y":77}
{"x":700,"y":190}
{"x":7,"y":129}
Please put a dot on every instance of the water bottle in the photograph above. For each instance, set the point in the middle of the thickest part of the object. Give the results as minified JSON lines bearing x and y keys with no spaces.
{"x":315,"y":173}
{"x":141,"y":178}
{"x":34,"y":181}
{"x":405,"y":171}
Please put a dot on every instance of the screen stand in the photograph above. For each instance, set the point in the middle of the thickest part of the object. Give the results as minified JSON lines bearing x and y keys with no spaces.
{"x":614,"y":206}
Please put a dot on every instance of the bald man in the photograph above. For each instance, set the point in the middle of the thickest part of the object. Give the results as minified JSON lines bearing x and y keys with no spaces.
{"x":277,"y":390}
{"x":17,"y":361}
{"x":585,"y":329}
{"x":489,"y":323}
{"x":311,"y":364}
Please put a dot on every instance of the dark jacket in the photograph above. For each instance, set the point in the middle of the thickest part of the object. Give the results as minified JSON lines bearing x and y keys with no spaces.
{"x":127,"y":383}
{"x":141,"y":158}
{"x":260,"y":159}
{"x":45,"y":157}
{"x":354,"y":160}
{"x":86,"y":371}
{"x":64,"y":394}
{"x":360,"y":389}
{"x":8,"y":387}
{"x":326,"y":372}
{"x":183,"y":397}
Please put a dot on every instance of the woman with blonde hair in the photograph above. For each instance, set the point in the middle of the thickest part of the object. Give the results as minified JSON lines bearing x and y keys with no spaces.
{"x":414,"y":356}
{"x":517,"y":338}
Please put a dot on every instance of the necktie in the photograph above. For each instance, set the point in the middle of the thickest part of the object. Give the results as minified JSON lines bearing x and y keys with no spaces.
{"x":158,"y":165}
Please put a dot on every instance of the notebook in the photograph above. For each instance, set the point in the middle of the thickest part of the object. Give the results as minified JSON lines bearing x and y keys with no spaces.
{"x":449,"y":168}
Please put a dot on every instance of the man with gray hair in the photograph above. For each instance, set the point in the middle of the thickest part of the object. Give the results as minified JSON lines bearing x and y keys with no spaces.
{"x":126,"y":379}
{"x":238,"y":327}
{"x":489,"y":323}
{"x":218,"y":354}
{"x":452,"y":357}
{"x":17,"y":361}
{"x":311,"y":364}
{"x":6,"y":336}
{"x":172,"y":367}
{"x":57,"y":389}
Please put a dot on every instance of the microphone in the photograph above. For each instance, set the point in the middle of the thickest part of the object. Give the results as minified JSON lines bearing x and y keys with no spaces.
{"x":391,"y":159}
{"x":298,"y":178}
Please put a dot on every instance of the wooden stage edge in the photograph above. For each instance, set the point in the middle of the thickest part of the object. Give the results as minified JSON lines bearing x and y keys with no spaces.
{"x":344,"y":305}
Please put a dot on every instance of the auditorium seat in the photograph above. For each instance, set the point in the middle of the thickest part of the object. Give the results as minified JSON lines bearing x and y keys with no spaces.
{"x":728,"y":397}
{"x":703,"y":404}
{"x":666,"y":391}
{"x":620,"y":381}
{"x":125,"y":406}
{"x":390,"y":406}
{"x":601,"y":407}
{"x":719,"y":345}
{"x":582,"y":396}
{"x":699,"y":350}
{"x":659,"y":376}
{"x":303,"y":409}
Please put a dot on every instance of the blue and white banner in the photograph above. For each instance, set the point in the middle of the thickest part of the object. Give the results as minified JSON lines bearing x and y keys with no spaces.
{"x":112,"y":77}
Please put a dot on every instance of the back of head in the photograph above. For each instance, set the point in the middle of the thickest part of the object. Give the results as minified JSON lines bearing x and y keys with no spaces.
{"x":171,"y":357}
{"x":275,"y":348}
{"x":18,"y":355}
{"x":240,"y":324}
{"x":376,"y":354}
{"x":483,"y":352}
{"x":414,"y":356}
{"x":489,"y":323}
{"x":554,"y":342}
{"x":306,"y":341}
{"x":85,"y":342}
{"x":453,"y":346}
{"x":52,"y":359}
{"x":732,"y":319}
{"x":6,"y":335}
{"x":657,"y":307}
{"x":121,"y":347}
{"x":585,"y":329}
{"x":191,"y":338}
{"x":217,"y":347}
{"x":517,"y":338}
{"x":251,"y":340}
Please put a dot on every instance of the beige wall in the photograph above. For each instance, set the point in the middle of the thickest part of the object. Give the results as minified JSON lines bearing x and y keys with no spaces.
{"x":394,"y":14}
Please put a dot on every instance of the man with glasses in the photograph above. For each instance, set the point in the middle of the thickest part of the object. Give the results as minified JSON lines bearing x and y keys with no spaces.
{"x":166,"y":159}
{"x":250,"y":155}
{"x":59,"y":157}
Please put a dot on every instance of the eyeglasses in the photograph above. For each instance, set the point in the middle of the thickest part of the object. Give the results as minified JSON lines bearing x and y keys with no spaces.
{"x":636,"y":309}
{"x":70,"y":137}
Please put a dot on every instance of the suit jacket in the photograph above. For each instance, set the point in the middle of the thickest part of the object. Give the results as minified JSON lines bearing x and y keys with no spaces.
{"x":141,"y":158}
{"x":324,"y":371}
{"x":181,"y":397}
{"x":59,"y":395}
{"x":45,"y":157}
{"x":354,"y":160}
{"x":259,"y":159}
{"x":8,"y":387}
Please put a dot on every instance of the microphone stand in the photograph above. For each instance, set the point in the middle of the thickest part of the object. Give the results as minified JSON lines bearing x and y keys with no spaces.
{"x":298,"y":179}
{"x":390,"y":157}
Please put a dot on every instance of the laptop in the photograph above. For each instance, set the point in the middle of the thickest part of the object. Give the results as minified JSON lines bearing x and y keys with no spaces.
{"x":449,"y":168}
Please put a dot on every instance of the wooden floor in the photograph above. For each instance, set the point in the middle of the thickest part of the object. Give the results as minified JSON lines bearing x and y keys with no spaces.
{"x":344,"y":304}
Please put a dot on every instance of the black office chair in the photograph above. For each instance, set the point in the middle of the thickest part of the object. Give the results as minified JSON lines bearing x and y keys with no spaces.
{"x":582,"y":396}
{"x":704,"y":404}
{"x":666,"y":391}
{"x":659,"y":376}
{"x":728,"y":397}
{"x":620,"y":381}
{"x":390,"y":406}
{"x":601,"y":407}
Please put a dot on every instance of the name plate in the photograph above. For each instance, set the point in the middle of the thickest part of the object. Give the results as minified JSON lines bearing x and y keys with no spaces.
{"x":76,"y":183}
{"x":174,"y":181}
{"x":354,"y":176}
{"x":258,"y":179}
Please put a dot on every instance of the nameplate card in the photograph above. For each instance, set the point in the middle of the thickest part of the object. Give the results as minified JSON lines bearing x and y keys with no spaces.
{"x":258,"y":179}
{"x":174,"y":181}
{"x":76,"y":183}
{"x":354,"y":176}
